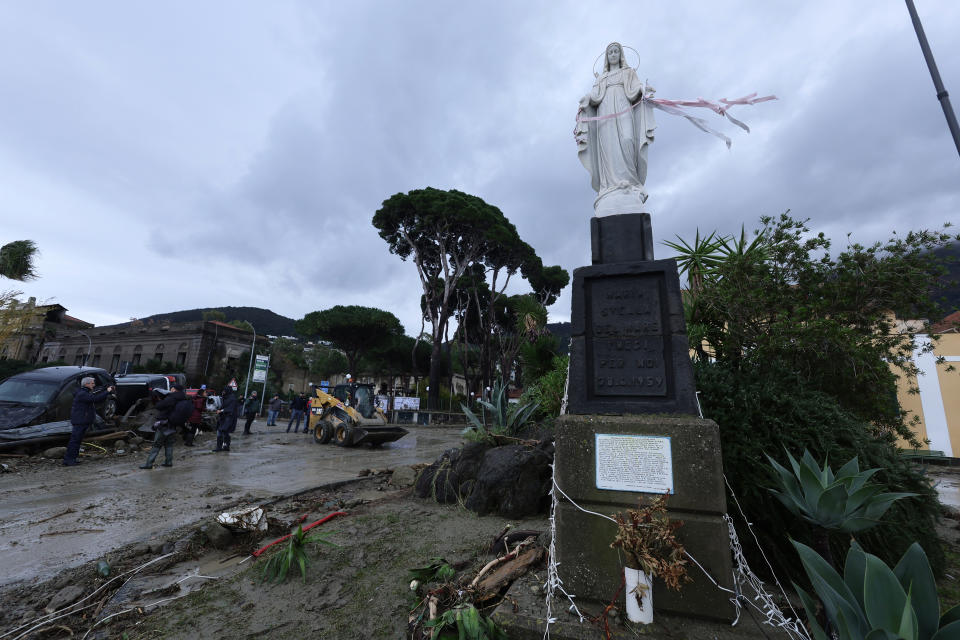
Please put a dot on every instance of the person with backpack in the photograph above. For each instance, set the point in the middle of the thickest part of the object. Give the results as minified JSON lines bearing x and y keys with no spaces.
{"x":172,"y":413}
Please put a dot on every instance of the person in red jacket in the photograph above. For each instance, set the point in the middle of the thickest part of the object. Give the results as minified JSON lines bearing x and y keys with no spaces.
{"x":196,"y":418}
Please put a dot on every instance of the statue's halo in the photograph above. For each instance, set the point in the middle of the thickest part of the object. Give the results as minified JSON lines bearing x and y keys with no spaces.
{"x":622,"y":48}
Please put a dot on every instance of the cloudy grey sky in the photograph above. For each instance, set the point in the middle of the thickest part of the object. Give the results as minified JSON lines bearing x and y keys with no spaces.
{"x":174,"y":155}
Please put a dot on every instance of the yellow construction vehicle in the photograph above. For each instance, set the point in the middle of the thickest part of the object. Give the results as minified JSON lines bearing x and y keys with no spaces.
{"x":349,"y":417}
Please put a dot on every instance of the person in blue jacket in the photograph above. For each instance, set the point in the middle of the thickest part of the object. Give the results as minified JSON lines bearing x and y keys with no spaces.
{"x":82,"y":414}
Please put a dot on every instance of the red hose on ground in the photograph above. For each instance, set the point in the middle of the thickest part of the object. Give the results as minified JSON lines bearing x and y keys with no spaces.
{"x":256,"y":554}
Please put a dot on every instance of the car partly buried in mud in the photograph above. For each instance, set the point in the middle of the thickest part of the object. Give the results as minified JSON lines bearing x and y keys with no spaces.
{"x":35,"y":405}
{"x":46,"y":395}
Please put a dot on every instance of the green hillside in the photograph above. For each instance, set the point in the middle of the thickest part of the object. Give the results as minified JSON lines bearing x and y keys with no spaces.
{"x":266,"y":322}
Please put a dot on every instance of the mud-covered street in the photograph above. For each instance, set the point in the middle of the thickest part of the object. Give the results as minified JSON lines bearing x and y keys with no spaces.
{"x":54,"y":518}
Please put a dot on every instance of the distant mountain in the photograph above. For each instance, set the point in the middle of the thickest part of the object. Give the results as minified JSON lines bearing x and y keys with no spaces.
{"x":266,"y":322}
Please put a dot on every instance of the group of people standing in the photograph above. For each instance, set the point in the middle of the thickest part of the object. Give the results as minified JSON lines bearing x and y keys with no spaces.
{"x":177,"y":412}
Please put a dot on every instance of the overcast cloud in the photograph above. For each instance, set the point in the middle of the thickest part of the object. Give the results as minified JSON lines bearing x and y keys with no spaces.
{"x":175,"y":155}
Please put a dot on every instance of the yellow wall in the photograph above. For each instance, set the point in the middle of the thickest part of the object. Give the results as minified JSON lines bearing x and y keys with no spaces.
{"x":938,"y":404}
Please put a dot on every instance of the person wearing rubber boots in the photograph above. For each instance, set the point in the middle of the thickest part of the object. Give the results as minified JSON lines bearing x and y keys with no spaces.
{"x":172,"y":413}
{"x":228,"y":417}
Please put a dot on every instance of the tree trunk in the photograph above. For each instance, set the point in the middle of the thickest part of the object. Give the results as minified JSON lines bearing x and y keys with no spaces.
{"x":433,"y":393}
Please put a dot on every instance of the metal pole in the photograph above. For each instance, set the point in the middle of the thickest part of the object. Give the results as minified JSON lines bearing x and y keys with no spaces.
{"x":253,"y":349}
{"x":89,"y":347}
{"x":942,"y":94}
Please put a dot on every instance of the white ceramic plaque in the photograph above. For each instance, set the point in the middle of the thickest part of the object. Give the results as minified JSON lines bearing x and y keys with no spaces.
{"x":634,"y":463}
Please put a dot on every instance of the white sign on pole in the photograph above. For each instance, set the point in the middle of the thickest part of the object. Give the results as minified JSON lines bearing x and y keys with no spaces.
{"x":260,"y":368}
{"x":403,"y":403}
{"x":634,"y":463}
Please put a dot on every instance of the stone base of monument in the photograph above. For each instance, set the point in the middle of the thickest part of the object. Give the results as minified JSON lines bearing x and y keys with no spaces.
{"x":523,"y":613}
{"x":679,"y":452}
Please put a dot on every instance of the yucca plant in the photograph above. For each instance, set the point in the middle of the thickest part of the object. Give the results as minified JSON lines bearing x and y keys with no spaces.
{"x":294,"y":554}
{"x":504,"y":418}
{"x":873,"y":602}
{"x":845,"y":501}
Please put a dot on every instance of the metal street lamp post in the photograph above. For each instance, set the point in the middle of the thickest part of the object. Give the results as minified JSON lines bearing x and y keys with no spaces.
{"x":253,"y":349}
{"x":89,"y":347}
{"x":942,"y":94}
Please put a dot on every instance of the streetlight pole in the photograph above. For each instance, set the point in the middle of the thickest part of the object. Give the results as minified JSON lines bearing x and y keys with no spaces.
{"x":942,"y":94}
{"x":89,"y":347}
{"x":253,"y":349}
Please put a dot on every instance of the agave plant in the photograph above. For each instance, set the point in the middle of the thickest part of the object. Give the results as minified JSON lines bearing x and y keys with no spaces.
{"x":504,"y":418}
{"x":872,"y":602}
{"x":845,"y":501}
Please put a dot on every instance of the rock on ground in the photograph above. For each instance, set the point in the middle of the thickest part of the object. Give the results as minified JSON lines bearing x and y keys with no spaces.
{"x":404,"y":477}
{"x":54,"y":452}
{"x":66,"y":596}
{"x":512,"y":481}
{"x":218,"y":535}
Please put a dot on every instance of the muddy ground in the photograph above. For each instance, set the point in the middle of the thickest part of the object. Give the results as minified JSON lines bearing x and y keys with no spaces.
{"x":54,"y":517}
{"x":358,"y":589}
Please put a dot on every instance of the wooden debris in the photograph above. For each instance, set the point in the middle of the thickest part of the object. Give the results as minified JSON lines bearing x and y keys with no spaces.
{"x":508,"y":571}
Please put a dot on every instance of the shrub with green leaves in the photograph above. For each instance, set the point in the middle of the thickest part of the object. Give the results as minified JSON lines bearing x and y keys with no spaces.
{"x":759,"y":413}
{"x":547,"y":391}
{"x":872,"y":602}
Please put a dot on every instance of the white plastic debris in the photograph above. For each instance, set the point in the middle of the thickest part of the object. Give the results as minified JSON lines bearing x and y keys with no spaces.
{"x":244,"y":518}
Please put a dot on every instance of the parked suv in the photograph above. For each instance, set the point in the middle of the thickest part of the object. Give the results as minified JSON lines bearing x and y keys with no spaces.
{"x":46,"y":395}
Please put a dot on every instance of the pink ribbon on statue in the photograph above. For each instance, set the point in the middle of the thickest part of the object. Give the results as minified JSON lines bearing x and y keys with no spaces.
{"x":677,"y":108}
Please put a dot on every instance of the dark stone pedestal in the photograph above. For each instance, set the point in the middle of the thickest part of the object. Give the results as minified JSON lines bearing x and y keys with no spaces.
{"x":589,"y":568}
{"x":631,"y":375}
{"x":629,"y":350}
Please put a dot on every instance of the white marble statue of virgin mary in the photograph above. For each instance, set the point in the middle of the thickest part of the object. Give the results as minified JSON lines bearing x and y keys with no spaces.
{"x":613,"y":133}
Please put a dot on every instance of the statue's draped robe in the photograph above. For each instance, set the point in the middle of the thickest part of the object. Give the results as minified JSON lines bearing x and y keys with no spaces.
{"x":614,"y":150}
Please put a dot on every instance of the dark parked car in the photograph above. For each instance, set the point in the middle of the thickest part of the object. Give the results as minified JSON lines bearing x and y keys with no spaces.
{"x":46,"y":395}
{"x":133,"y":386}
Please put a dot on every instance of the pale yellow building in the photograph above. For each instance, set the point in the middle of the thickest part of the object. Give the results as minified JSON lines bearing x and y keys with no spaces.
{"x":937,"y":404}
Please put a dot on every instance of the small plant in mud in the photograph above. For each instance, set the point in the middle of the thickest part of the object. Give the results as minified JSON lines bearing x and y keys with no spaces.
{"x":277,"y":567}
{"x":438,"y":570}
{"x":464,"y":622}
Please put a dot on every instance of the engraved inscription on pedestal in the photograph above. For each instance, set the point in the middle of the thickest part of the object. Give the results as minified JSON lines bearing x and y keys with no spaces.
{"x":627,"y":355}
{"x":638,"y":463}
